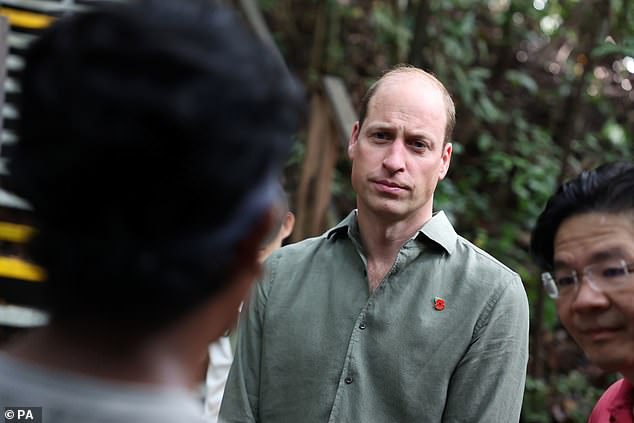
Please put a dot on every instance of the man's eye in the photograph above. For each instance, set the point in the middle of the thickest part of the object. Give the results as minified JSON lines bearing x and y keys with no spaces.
{"x":380,"y":135}
{"x":563,"y":281}
{"x":613,"y":272}
{"x":418,"y":146}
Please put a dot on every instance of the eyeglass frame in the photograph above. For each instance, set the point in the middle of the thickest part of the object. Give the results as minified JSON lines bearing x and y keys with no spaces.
{"x":552,"y":288}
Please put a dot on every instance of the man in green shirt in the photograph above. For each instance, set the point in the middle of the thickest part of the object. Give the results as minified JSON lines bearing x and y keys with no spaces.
{"x":390,"y":316}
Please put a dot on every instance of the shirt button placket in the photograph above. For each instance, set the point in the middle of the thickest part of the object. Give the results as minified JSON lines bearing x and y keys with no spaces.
{"x":348,"y":380}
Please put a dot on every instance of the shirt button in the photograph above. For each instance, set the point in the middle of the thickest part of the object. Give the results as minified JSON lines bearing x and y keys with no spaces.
{"x":362,"y":326}
{"x":348,"y":380}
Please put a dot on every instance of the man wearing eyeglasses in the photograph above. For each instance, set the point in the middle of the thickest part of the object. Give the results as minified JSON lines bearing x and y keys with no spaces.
{"x":585,"y":239}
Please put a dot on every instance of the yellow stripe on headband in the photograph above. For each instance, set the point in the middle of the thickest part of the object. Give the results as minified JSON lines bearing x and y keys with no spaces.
{"x":14,"y":232}
{"x":15,"y":268}
{"x":24,"y":19}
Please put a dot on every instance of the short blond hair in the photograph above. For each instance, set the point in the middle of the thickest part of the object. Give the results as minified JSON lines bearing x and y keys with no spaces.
{"x":409,"y":69}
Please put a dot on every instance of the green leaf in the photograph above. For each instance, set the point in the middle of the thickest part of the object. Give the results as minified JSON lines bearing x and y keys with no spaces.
{"x":522,"y":79}
{"x":488,"y":110}
{"x":614,"y":132}
{"x":607,"y":49}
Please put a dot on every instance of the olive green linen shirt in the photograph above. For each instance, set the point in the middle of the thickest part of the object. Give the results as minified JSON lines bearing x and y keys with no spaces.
{"x":314,"y":345}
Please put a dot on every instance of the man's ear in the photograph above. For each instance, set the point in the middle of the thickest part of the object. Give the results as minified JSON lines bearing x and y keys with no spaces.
{"x":287,"y":225}
{"x":445,"y":159}
{"x":354,"y":138}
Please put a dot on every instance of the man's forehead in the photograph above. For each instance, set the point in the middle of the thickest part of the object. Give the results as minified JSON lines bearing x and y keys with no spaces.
{"x":411,"y":79}
{"x":594,"y":236}
{"x":600,"y":255}
{"x":394,"y":92}
{"x":592,"y":223}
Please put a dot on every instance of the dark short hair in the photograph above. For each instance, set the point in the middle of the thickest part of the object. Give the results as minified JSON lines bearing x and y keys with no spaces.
{"x":606,"y":189}
{"x":407,"y":69}
{"x":151,"y":134}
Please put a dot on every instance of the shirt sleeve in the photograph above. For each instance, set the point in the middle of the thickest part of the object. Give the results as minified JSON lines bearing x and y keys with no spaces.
{"x":488,"y":384}
{"x":240,"y":402}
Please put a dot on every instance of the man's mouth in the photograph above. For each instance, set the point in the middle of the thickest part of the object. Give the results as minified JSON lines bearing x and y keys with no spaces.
{"x":600,"y":333}
{"x":390,"y":184}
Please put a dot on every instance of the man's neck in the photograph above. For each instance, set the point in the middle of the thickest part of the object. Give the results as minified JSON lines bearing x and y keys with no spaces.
{"x":382,"y":239}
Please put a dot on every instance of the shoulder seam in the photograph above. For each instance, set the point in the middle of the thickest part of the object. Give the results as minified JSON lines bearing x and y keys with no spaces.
{"x":487,"y":256}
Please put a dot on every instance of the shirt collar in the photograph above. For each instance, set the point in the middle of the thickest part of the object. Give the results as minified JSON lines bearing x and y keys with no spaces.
{"x":437,"y":229}
{"x":623,"y":399}
{"x":350,"y":221}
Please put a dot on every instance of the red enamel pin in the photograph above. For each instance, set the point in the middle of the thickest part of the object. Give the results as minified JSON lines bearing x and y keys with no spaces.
{"x":439,"y":303}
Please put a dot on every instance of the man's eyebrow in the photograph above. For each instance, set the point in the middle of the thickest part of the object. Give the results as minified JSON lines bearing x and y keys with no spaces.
{"x":560,"y":263}
{"x":384,"y":126}
{"x":614,"y":252}
{"x":380,"y":125}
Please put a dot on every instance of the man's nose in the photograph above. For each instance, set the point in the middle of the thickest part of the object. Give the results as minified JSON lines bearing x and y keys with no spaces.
{"x":587,"y":296}
{"x":394,"y":160}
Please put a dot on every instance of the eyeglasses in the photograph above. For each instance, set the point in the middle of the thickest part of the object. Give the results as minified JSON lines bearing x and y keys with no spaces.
{"x":602,"y":276}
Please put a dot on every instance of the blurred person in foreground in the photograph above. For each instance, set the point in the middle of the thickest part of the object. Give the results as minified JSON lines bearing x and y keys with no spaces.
{"x":221,"y":352}
{"x":390,"y":316}
{"x":152,"y":135}
{"x":584,"y":240}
